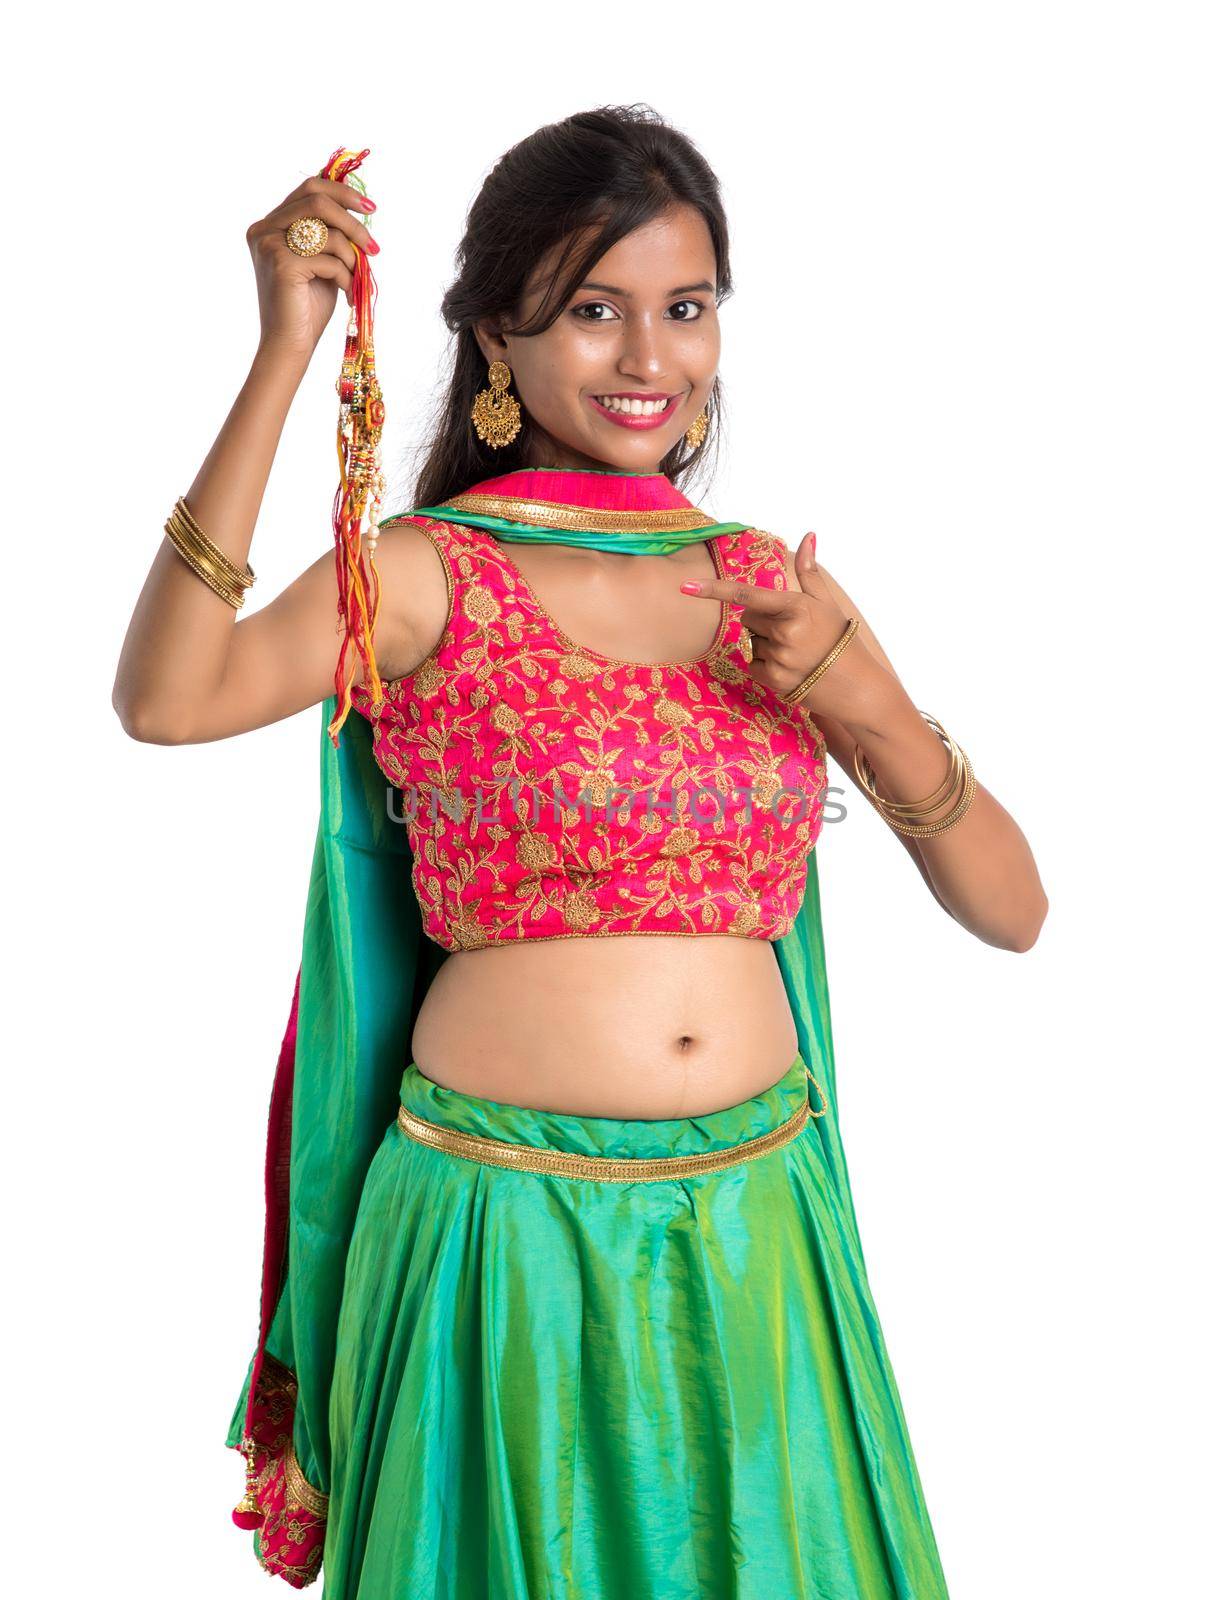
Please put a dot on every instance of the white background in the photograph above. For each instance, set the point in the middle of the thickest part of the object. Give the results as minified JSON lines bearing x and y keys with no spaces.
{"x":976,"y":343}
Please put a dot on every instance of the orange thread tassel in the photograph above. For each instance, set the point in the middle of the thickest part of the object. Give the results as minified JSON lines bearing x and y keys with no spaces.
{"x":359,"y":433}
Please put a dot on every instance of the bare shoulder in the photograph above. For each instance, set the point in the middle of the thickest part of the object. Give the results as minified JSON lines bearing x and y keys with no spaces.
{"x":415,"y":602}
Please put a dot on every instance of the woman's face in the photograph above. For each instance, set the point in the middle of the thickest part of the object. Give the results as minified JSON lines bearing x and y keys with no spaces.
{"x":643,"y":325}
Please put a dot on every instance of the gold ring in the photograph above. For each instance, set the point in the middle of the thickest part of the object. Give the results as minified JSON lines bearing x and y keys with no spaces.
{"x":307,"y":236}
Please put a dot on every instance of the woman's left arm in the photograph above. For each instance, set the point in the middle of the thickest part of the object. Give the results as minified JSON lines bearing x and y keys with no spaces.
{"x":981,"y":870}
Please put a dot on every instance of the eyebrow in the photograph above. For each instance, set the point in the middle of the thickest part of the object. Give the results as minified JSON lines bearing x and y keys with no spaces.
{"x":627,"y":294}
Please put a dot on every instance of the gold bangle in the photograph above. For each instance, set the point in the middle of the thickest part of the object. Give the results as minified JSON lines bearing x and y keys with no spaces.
{"x":201,"y":561}
{"x":243,"y":575}
{"x":205,"y":558}
{"x":916,"y":808}
{"x":910,"y":809}
{"x":205,"y":555}
{"x":918,"y":830}
{"x":961,"y":775}
{"x":801,"y":689}
{"x":216,"y":584}
{"x":195,"y":538}
{"x":928,"y":829}
{"x":203,"y":565}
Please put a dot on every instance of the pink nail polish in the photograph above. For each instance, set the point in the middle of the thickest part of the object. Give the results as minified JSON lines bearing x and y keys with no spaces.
{"x":691,"y":588}
{"x":374,"y":249}
{"x":367,"y":205}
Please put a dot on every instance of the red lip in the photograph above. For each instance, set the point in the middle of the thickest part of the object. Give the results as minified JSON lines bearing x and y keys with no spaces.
{"x":623,"y":420}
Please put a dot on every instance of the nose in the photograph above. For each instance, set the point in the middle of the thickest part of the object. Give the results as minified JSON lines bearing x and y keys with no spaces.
{"x":641,"y":355}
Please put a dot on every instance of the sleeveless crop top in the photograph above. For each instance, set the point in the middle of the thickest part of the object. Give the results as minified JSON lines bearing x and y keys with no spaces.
{"x":551,"y":792}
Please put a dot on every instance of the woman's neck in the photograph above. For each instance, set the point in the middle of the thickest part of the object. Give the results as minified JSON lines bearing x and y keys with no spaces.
{"x":560,"y":458}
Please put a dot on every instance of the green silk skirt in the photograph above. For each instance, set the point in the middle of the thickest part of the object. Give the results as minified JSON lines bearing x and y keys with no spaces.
{"x":552,"y":1386}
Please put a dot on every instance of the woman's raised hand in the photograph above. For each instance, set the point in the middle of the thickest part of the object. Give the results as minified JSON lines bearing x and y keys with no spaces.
{"x":297,"y":294}
{"x":794,"y":630}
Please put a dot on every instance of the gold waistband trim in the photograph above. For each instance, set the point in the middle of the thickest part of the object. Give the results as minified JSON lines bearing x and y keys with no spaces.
{"x":549,"y":514}
{"x":599,"y":1169}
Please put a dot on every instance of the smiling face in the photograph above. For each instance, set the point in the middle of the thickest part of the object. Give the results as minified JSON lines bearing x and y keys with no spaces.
{"x":631,"y":360}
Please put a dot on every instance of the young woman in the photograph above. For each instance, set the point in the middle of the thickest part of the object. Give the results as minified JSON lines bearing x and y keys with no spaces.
{"x":563,"y":1289}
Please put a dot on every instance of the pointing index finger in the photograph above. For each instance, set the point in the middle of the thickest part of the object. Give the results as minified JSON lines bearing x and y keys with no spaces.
{"x":740,"y":594}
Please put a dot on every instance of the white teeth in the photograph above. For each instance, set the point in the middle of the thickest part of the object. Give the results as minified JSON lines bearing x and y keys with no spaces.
{"x":632,"y":408}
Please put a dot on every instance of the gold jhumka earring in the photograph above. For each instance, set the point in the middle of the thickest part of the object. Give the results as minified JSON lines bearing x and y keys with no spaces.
{"x":495,"y":413}
{"x":696,"y":431}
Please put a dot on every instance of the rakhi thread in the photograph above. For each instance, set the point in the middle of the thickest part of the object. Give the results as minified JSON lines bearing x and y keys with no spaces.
{"x":359,"y":433}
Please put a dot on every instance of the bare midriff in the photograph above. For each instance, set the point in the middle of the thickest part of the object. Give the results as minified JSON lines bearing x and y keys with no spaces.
{"x":651,"y":1026}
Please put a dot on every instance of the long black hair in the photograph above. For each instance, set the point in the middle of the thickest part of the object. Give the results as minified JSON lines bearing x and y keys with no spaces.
{"x":597,"y":175}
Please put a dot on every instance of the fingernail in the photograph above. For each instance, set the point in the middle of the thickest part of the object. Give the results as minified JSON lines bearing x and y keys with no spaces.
{"x":374,"y":249}
{"x":368,"y":205}
{"x":691,"y":588}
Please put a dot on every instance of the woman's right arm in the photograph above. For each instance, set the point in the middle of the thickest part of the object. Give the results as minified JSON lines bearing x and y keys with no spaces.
{"x":189,"y":670}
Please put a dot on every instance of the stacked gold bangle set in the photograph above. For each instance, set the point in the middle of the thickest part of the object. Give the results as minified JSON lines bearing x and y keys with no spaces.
{"x":205,"y":558}
{"x":904,"y":816}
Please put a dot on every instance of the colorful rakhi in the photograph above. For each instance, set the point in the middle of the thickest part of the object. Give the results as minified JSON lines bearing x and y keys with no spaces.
{"x":359,"y":495}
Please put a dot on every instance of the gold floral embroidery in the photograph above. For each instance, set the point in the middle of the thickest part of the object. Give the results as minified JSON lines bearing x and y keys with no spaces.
{"x":509,"y":717}
{"x":535,"y":851}
{"x":671,"y":712}
{"x":480,"y":605}
{"x":679,"y":842}
{"x":579,"y":911}
{"x":578,"y":667}
{"x":293,"y":1513}
{"x":428,"y":679}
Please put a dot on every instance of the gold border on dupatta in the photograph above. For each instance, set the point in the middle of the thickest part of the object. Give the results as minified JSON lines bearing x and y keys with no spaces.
{"x":550,"y":514}
{"x":299,"y":1490}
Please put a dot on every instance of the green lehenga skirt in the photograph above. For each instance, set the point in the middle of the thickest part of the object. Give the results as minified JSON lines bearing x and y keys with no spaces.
{"x":582,"y":1358}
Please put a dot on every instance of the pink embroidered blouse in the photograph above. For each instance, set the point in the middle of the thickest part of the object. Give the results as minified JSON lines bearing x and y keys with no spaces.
{"x":551,"y":792}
